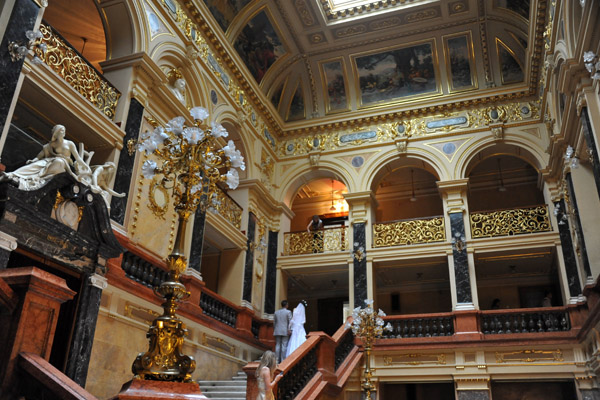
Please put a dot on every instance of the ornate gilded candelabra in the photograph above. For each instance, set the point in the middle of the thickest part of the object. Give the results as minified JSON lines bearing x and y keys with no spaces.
{"x":368,"y":325}
{"x":191,"y":161}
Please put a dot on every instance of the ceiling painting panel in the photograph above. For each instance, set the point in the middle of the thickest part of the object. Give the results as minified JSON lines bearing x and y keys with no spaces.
{"x":460,"y":62}
{"x":510,"y":68}
{"x":395,"y":74}
{"x":224,"y":11}
{"x":259,"y":45}
{"x":334,"y":78}
{"x":297,"y":109}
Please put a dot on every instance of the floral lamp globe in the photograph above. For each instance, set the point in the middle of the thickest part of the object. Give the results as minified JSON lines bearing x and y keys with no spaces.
{"x":192,"y":162}
{"x":368,"y":325}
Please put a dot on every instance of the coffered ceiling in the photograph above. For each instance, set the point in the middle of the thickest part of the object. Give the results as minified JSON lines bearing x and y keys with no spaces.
{"x":321,"y":61}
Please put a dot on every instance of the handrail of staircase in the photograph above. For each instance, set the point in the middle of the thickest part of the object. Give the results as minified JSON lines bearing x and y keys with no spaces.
{"x":48,"y":380}
{"x":312,"y":370}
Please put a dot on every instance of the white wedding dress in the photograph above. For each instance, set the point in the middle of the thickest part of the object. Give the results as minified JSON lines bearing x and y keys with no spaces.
{"x":297,"y":326}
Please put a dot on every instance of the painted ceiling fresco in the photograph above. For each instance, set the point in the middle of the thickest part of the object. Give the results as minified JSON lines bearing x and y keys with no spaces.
{"x":311,"y":60}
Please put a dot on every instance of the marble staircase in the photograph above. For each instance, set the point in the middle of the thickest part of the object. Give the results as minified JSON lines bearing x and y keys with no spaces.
{"x":234,"y":389}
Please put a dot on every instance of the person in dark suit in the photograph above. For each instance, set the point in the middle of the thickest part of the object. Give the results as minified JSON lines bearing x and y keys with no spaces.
{"x":281,"y":331}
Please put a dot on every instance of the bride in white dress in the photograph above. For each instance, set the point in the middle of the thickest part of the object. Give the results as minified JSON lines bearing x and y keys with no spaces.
{"x":297,"y":327}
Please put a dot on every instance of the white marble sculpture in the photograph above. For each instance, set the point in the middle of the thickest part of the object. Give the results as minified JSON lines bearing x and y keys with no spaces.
{"x":102,"y":176}
{"x":179,"y":89}
{"x":55,"y":158}
{"x":61,"y":155}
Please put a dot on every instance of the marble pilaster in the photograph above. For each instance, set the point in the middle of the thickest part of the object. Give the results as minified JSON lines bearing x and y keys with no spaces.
{"x":590,"y":394}
{"x":577,"y":226}
{"x":197,"y":241}
{"x":588,"y":134}
{"x":461,"y":262}
{"x":22,"y":19}
{"x":568,"y":251}
{"x":118,"y":205}
{"x":271,"y":277}
{"x":249,"y":263}
{"x":360,"y":265}
{"x":80,"y":349}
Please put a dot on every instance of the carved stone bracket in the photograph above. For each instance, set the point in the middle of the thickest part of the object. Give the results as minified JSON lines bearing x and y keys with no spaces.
{"x":98,"y":281}
{"x":402,"y":145}
{"x":7,"y":242}
{"x":314,"y":158}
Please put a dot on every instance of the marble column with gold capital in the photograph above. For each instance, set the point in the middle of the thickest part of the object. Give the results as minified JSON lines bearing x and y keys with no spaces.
{"x":361,"y":205}
{"x":460,"y":262}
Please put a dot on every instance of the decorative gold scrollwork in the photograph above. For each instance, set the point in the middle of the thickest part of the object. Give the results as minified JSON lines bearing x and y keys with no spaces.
{"x":510,"y":222}
{"x":77,"y":72}
{"x":407,"y":232}
{"x":323,"y":241}
{"x":228,"y":208}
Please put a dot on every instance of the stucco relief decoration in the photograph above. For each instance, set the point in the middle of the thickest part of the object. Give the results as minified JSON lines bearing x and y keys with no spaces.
{"x":59,"y":156}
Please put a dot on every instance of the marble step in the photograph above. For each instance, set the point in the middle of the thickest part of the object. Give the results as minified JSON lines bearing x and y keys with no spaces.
{"x":234,"y":389}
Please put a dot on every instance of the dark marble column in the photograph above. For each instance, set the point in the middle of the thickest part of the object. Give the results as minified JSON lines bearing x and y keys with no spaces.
{"x":590,"y":394}
{"x":80,"y":349}
{"x":588,"y":134}
{"x":271,"y":274}
{"x":473,"y":394}
{"x":4,"y":256}
{"x":22,"y":19}
{"x":567,"y":250}
{"x":197,"y":240}
{"x":249,"y":264}
{"x":360,"y":267}
{"x":118,"y":205}
{"x":461,"y":261}
{"x":577,"y":226}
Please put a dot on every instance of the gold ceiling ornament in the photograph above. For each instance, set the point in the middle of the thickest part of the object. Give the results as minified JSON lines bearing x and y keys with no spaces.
{"x":368,"y":326}
{"x":76,"y":71}
{"x":189,"y":160}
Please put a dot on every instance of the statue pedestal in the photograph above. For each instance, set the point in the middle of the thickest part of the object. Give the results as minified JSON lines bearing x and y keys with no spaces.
{"x":138,"y":389}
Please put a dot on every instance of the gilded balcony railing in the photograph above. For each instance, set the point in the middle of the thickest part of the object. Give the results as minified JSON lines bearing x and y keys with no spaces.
{"x":77,"y":71}
{"x":228,"y":208}
{"x":509,"y":222}
{"x":327,"y":240}
{"x":410,"y":231}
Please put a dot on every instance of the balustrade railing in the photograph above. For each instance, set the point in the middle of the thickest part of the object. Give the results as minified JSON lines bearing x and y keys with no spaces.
{"x":409,"y":231}
{"x":142,"y":271}
{"x":326,"y":240}
{"x":298,"y":376}
{"x":344,"y":348}
{"x":228,"y":208}
{"x":63,"y":59}
{"x":509,"y":222}
{"x":524,"y":321}
{"x":216,"y":309}
{"x":414,"y":327}
{"x":255,"y":328}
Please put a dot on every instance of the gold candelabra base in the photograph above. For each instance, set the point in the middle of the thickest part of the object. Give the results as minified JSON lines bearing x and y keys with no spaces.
{"x":164,"y":360}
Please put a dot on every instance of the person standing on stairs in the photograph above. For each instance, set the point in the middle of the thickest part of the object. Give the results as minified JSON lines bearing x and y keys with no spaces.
{"x":264,"y":376}
{"x":281,"y":330}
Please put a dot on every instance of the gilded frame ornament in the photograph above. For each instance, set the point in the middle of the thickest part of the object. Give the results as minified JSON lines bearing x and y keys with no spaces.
{"x":418,"y":80}
{"x":326,"y":84}
{"x":154,"y":206}
{"x":451,"y":58}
